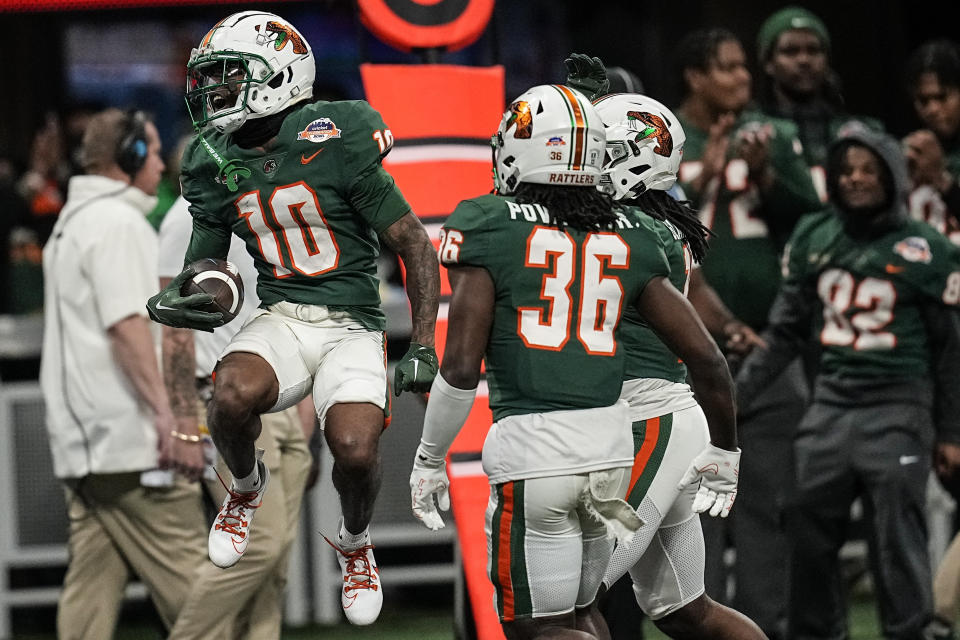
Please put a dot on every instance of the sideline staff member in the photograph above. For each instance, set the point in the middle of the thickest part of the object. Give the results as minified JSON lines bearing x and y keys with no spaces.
{"x":108,"y":416}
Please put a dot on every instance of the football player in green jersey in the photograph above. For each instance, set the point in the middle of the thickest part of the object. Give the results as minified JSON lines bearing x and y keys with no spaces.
{"x":879,"y":292}
{"x":671,"y":434}
{"x":302,"y":184}
{"x":541,"y":274}
{"x":933,"y":154}
{"x":746,"y":174}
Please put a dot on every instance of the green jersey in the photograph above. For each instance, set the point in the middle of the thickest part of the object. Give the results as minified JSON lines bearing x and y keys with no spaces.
{"x":940,"y":210}
{"x":560,"y":294}
{"x":749,"y":226}
{"x":871,"y":293}
{"x":646,"y":355}
{"x":309,"y":212}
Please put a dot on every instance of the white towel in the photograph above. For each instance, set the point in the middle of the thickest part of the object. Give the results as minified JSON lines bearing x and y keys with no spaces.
{"x":619,"y":518}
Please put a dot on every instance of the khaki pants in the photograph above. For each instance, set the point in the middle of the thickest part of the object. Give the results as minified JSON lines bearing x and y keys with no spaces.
{"x":946,"y":584}
{"x":254,"y":586}
{"x":117,"y":528}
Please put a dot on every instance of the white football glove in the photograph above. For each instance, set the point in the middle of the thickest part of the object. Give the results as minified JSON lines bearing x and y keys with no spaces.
{"x":717,"y":471}
{"x":429,"y":479}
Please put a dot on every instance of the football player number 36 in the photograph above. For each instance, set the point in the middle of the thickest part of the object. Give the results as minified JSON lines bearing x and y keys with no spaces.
{"x":601,"y":295}
{"x":293,"y":218}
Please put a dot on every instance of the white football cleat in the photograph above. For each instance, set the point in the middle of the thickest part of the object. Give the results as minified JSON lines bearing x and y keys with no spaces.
{"x":361,"y":596}
{"x":230,"y":532}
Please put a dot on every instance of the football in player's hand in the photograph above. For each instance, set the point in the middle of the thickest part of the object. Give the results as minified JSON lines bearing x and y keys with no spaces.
{"x":219,"y":278}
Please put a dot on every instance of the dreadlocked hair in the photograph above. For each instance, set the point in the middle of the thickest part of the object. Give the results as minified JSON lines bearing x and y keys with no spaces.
{"x":582,"y":208}
{"x":658,"y":204}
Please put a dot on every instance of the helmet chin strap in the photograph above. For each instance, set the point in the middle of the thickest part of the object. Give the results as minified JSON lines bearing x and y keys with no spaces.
{"x":254,"y":132}
{"x":230,"y":170}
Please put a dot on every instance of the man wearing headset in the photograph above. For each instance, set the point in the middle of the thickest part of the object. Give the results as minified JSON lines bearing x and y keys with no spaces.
{"x":107,"y":412}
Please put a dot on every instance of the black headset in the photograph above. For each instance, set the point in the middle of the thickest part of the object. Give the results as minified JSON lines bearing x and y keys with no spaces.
{"x":132,"y":146}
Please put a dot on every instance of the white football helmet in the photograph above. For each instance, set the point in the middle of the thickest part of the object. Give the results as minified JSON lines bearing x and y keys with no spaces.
{"x":549,"y":135}
{"x":250,"y":65}
{"x":644,"y":145}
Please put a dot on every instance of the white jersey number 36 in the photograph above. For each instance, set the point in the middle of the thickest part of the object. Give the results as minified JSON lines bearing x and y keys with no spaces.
{"x":601,"y":295}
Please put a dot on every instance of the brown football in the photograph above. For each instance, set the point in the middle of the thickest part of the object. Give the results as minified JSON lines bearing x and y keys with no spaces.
{"x":221,"y":279}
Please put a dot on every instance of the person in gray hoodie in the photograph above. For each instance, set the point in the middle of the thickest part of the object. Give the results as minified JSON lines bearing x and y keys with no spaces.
{"x":878,"y":294}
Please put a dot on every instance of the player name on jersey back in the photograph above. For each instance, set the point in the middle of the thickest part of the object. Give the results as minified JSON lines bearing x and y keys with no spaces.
{"x":538,"y":213}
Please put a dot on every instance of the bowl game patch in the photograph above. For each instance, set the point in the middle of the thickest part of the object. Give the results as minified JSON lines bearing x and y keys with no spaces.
{"x":320,"y":130}
{"x":914,"y":249}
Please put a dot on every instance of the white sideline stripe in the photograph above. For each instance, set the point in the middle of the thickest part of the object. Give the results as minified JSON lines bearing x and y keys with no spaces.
{"x":431,"y":152}
{"x":466,"y":469}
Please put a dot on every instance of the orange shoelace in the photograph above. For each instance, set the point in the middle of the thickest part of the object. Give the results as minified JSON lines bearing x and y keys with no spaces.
{"x":235,"y":509}
{"x":360,"y":573}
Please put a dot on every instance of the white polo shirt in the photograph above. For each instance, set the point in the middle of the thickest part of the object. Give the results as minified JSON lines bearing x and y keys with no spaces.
{"x":175,"y":231}
{"x":99,"y":267}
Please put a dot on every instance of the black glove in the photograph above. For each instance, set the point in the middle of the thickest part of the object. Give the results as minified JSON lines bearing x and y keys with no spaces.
{"x":587,"y":75}
{"x":170,"y":308}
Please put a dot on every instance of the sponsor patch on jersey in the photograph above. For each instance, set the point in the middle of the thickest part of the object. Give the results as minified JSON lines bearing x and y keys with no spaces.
{"x":320,"y":130}
{"x":914,"y":249}
{"x":556,"y":141}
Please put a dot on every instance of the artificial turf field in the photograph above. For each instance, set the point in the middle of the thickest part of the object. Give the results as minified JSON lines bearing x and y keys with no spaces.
{"x":405,"y":619}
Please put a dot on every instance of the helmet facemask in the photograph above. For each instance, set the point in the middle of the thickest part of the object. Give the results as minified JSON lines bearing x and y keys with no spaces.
{"x":622,"y":149}
{"x":219,"y":87}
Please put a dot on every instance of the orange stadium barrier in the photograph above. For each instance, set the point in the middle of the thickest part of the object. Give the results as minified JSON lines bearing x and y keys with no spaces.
{"x":441,"y":118}
{"x":468,"y":499}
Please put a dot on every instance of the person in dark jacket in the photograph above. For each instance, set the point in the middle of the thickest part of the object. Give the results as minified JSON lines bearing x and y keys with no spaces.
{"x":878,"y":293}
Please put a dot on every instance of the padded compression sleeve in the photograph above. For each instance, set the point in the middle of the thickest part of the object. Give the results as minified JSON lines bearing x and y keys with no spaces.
{"x":447,"y":411}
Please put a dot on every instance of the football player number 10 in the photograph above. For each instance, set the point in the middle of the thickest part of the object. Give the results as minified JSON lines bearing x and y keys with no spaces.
{"x":294,"y":219}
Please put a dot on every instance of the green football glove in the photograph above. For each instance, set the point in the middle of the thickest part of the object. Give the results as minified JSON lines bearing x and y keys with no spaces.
{"x":170,"y":308}
{"x":416,"y":369}
{"x":587,"y":75}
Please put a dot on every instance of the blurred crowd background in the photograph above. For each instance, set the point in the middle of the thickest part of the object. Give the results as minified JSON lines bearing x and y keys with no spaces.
{"x":65,"y":63}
